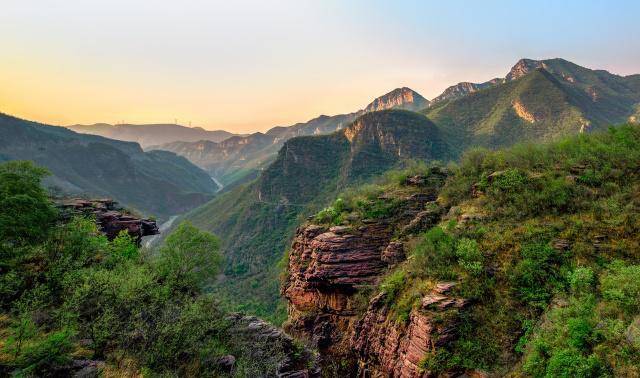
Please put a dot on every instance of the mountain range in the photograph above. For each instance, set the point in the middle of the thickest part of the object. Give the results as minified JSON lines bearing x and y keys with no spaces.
{"x":537,"y":101}
{"x":279,"y":177}
{"x":556,"y":98}
{"x":152,"y":134}
{"x":158,"y":183}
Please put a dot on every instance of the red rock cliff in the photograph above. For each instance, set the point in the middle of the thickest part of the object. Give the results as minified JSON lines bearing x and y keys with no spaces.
{"x":331,"y":290}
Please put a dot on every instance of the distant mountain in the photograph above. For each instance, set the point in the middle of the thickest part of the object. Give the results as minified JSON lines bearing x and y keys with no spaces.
{"x":152,"y":134}
{"x":257,"y":219}
{"x":157,"y":183}
{"x":238,"y":156}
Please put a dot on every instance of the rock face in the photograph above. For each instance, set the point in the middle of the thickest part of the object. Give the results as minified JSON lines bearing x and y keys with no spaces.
{"x":399,"y":98}
{"x":110,"y":218}
{"x":385,"y":348}
{"x":331,"y":269}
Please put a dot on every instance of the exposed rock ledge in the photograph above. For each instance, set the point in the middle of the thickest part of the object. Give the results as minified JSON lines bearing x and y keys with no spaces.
{"x":111,"y":218}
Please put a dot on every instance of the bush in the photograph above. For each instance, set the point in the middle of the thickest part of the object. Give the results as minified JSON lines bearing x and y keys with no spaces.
{"x":393,"y":284}
{"x":469,"y":256}
{"x":621,"y":286}
{"x":538,"y":274}
{"x":43,"y":356}
{"x":189,"y":257}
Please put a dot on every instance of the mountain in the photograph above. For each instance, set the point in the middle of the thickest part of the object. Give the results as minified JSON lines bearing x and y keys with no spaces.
{"x":157,"y":183}
{"x":152,"y":134}
{"x":257,"y":220}
{"x":239,"y":156}
{"x":539,"y":100}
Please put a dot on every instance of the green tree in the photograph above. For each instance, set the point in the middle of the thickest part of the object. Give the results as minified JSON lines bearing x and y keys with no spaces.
{"x":189,"y":256}
{"x":26,"y":213}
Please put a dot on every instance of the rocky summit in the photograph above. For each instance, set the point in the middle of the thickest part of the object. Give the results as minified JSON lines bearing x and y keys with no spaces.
{"x":399,"y":98}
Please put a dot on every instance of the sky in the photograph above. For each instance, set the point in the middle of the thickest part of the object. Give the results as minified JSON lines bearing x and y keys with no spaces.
{"x":247,"y":66}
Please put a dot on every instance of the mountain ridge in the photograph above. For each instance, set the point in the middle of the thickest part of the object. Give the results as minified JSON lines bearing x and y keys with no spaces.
{"x":151,"y":134}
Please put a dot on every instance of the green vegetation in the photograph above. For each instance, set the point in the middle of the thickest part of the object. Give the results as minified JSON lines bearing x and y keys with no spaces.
{"x":547,"y":253}
{"x":68,"y":293}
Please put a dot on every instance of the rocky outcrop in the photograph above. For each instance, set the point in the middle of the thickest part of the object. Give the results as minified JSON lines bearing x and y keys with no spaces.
{"x":524,"y":113}
{"x":332,"y":270}
{"x":386,"y":348}
{"x":110,"y":218}
{"x":399,"y":98}
{"x":523,"y":67}
{"x":463,"y":89}
{"x":272,"y":347}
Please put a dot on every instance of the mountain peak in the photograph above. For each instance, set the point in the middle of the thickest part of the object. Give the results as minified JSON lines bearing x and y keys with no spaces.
{"x":523,"y":67}
{"x":399,"y":98}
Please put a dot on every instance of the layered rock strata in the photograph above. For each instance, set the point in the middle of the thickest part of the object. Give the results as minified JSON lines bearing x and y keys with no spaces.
{"x":333,"y":303}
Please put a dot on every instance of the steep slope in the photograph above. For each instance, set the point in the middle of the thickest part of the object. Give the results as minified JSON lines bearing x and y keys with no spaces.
{"x":238,"y":156}
{"x":257,"y":220}
{"x":152,"y":134}
{"x":158,"y":183}
{"x":259,"y":217}
{"x":523,"y":262}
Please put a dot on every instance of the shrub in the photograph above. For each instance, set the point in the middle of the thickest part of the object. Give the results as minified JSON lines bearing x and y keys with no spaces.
{"x":582,"y":280}
{"x":621,"y":286}
{"x":469,"y":256}
{"x":26,"y":213}
{"x":537,"y":275}
{"x":393,"y":284}
{"x":45,"y":354}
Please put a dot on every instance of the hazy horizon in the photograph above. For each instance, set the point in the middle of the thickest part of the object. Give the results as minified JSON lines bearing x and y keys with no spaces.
{"x":221,"y":66}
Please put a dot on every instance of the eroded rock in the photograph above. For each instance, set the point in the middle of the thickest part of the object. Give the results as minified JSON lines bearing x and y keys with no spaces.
{"x":111,"y":218}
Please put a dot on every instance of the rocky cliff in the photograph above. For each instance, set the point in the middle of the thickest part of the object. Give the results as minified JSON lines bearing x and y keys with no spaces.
{"x":334,"y":296}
